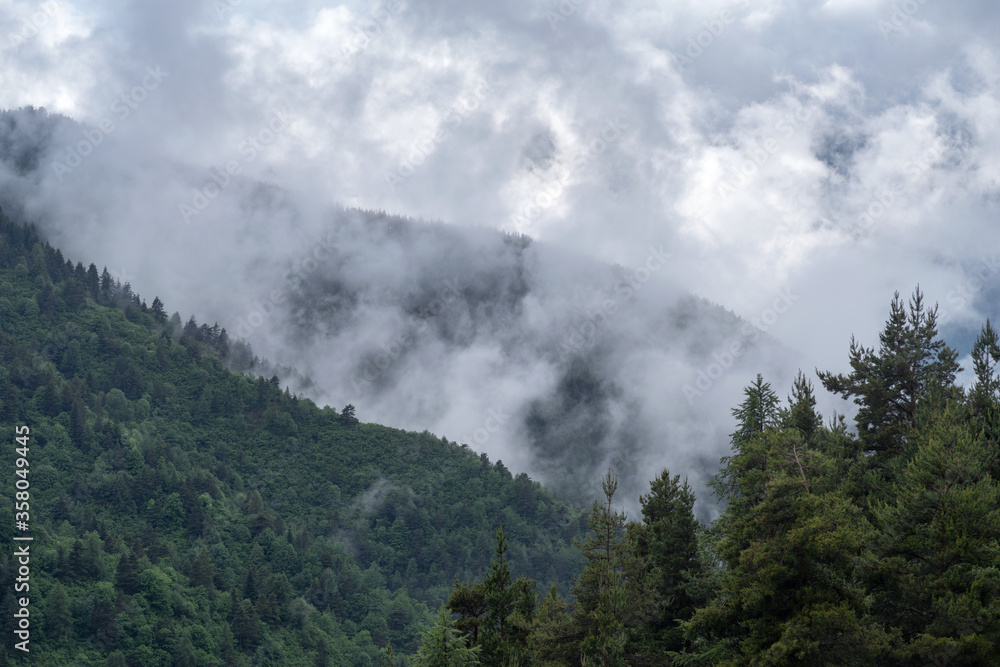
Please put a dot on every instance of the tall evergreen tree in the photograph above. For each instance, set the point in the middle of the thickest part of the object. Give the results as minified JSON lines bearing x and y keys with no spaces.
{"x":667,"y":543}
{"x":888,"y":385}
{"x":758,"y":413}
{"x":801,"y":412}
{"x":443,"y":647}
{"x":553,"y":641}
{"x":790,"y":543}
{"x":127,"y":573}
{"x":985,"y":356}
{"x":203,"y":570}
{"x":936,"y":569}
{"x":603,"y":607}
{"x":984,"y":397}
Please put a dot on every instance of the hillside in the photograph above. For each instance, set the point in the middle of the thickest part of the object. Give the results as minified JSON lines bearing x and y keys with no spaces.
{"x":423,"y":325}
{"x":183,"y":511}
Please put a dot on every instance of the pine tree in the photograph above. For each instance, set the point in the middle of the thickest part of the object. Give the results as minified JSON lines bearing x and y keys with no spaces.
{"x":158,"y":312}
{"x":985,"y":356}
{"x":756,"y":415}
{"x":911,"y":362}
{"x":347,"y":417}
{"x":499,"y":595}
{"x":469,"y":602}
{"x":388,"y":658}
{"x":984,"y":397}
{"x":442,"y":646}
{"x":245,"y":625}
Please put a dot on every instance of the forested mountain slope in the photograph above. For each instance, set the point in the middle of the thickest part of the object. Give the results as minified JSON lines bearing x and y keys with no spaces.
{"x":186,"y":514}
{"x":422,"y":325}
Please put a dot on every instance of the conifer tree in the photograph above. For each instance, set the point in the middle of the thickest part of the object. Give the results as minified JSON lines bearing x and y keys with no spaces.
{"x":758,"y":413}
{"x":888,"y":384}
{"x":127,"y":574}
{"x":469,"y":602}
{"x":801,"y":411}
{"x":58,"y":619}
{"x":985,"y":356}
{"x":667,"y":543}
{"x":789,"y":585}
{"x":442,"y":646}
{"x":553,"y":641}
{"x":203,"y":570}
{"x":936,"y":571}
{"x":984,"y":397}
{"x":603,"y":607}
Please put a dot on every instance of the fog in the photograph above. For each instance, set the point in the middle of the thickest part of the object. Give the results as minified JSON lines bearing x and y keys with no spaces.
{"x":331,"y":183}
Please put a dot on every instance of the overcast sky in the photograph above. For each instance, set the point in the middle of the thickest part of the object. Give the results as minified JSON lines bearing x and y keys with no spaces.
{"x":831,"y":150}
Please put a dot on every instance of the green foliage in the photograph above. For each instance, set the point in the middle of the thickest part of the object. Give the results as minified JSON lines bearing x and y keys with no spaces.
{"x":934,"y":571}
{"x":667,"y":542}
{"x":189,"y":515}
{"x":443,"y":647}
{"x":910,"y":364}
{"x":193,"y":515}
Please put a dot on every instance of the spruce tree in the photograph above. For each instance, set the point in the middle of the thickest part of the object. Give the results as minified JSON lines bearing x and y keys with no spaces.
{"x":801,"y":412}
{"x":442,"y":646}
{"x":553,"y":641}
{"x":667,"y":543}
{"x":935,"y":574}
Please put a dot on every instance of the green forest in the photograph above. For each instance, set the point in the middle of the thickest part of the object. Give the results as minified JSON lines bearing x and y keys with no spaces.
{"x":187,"y":511}
{"x":185,"y":514}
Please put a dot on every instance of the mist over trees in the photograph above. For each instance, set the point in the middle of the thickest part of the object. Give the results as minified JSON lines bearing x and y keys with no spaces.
{"x":833,"y":548}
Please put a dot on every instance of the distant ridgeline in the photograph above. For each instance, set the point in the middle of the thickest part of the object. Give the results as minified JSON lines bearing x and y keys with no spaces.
{"x":186,"y":514}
